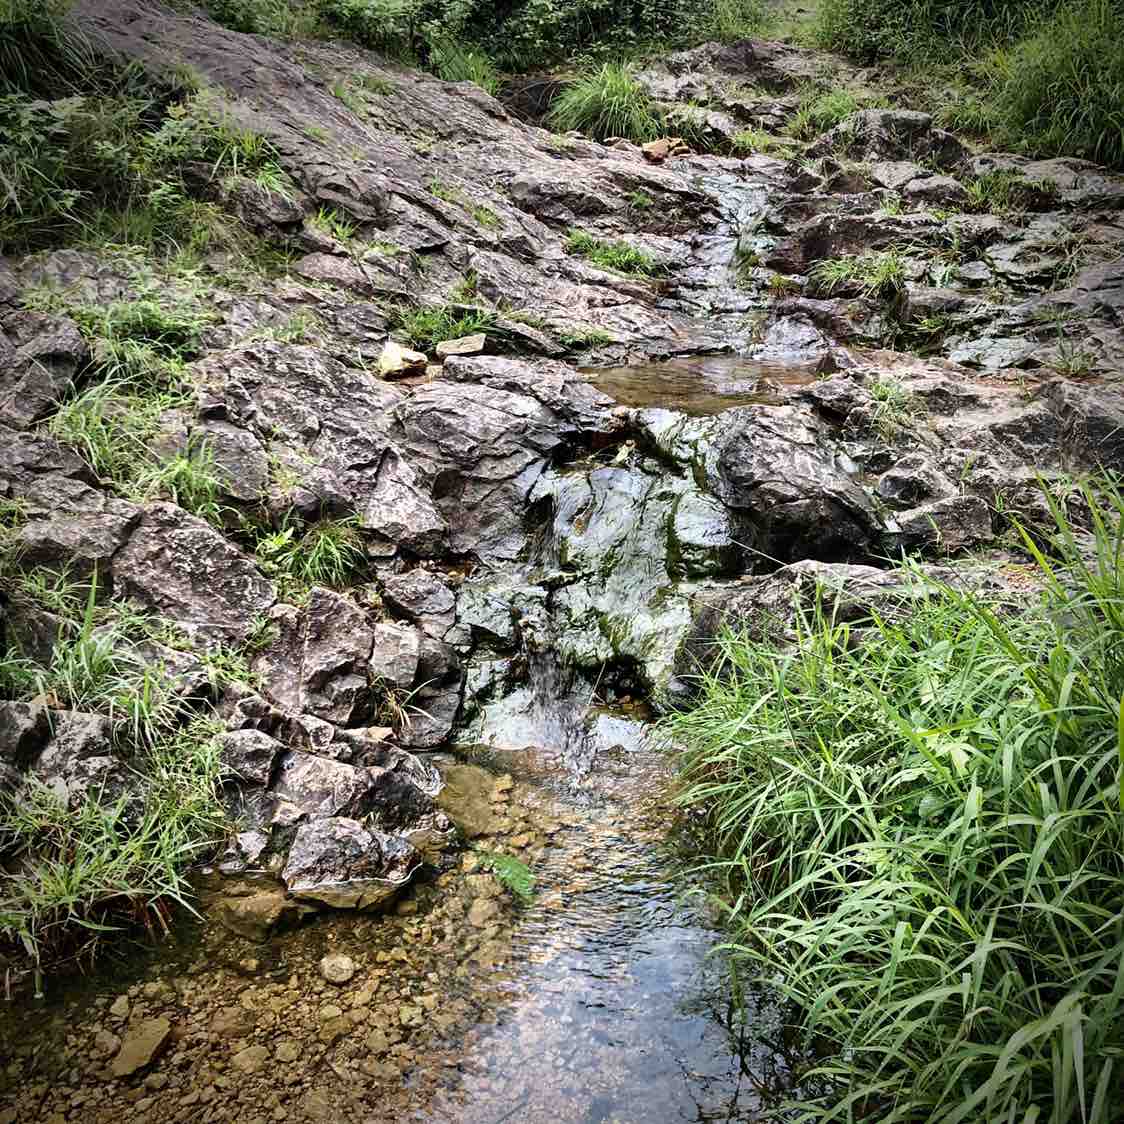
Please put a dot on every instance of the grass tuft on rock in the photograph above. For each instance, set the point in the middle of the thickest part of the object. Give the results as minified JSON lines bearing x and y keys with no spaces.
{"x":604,"y":103}
{"x":920,"y":820}
{"x":619,"y":257}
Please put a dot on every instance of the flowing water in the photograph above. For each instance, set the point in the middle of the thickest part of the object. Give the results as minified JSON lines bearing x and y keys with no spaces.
{"x":599,"y":1001}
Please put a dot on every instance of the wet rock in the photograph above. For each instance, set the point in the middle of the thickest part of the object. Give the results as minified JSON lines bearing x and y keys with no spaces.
{"x":250,"y":1060}
{"x":233,"y":1022}
{"x":467,"y":797}
{"x":338,"y":863}
{"x":337,"y":968}
{"x":256,"y":915}
{"x":142,"y":1045}
{"x":183,"y":569}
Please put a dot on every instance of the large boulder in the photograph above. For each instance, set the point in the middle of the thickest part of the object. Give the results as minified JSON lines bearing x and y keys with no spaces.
{"x":337,"y":862}
{"x":181,"y":568}
{"x":776,"y":467}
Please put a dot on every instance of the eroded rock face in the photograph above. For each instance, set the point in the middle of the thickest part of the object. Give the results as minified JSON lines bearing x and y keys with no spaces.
{"x":182,"y":568}
{"x":513,"y":518}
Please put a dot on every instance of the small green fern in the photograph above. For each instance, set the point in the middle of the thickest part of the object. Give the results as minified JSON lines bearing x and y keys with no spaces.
{"x":510,"y":873}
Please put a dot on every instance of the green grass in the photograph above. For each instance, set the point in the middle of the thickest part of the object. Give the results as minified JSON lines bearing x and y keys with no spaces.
{"x":1004,"y":192}
{"x":1061,"y":89}
{"x":456,"y":63}
{"x":872,"y":275}
{"x":1045,"y":78}
{"x":604,"y":103}
{"x":819,"y":112}
{"x":919,"y":824}
{"x":580,"y":338}
{"x":89,"y":869}
{"x":894,"y":405}
{"x":752,"y":141}
{"x":329,"y":552}
{"x":619,"y":257}
{"x":425,"y":328}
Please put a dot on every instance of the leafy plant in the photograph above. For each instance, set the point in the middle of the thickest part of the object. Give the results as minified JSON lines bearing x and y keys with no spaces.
{"x":872,"y":274}
{"x":607,"y":102}
{"x":84,"y":870}
{"x":329,"y":553}
{"x":819,"y":112}
{"x":576,"y":338}
{"x":425,"y":328}
{"x":510,"y":873}
{"x":456,"y":63}
{"x":894,"y":404}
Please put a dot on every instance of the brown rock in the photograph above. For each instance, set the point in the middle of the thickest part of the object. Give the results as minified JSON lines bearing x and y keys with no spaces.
{"x":465,"y":345}
{"x":142,"y":1046}
{"x":656,"y":152}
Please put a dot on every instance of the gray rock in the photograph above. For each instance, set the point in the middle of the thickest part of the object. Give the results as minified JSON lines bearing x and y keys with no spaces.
{"x":310,"y":786}
{"x":248,"y":756}
{"x":183,"y":569}
{"x":24,"y":730}
{"x":75,"y":736}
{"x":337,"y":647}
{"x":422,"y":597}
{"x":337,"y":967}
{"x":337,"y":862}
{"x":240,"y":460}
{"x":39,"y":357}
{"x":890,"y":134}
{"x":776,"y":468}
{"x":394,"y":656}
{"x":948,"y":525}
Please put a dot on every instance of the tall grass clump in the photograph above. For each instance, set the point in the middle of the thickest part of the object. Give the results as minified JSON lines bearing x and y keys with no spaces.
{"x":604,"y":103}
{"x":78,"y":871}
{"x":921,"y":820}
{"x":1061,"y":89}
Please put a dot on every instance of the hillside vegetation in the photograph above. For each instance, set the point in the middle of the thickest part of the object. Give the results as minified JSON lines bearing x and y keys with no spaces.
{"x":1044,"y":77}
{"x":921,"y":821}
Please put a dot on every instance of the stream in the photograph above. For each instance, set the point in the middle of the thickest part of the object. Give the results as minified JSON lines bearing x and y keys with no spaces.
{"x":598,"y":1001}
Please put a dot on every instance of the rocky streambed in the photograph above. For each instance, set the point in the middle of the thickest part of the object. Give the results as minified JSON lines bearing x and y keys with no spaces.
{"x":595,"y":1001}
{"x":552,"y":533}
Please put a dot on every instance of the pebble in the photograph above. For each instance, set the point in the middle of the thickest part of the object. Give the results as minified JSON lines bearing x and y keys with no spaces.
{"x":337,"y":968}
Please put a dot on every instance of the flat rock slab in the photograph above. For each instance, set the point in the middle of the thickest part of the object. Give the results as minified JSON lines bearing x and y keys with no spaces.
{"x":143,"y":1044}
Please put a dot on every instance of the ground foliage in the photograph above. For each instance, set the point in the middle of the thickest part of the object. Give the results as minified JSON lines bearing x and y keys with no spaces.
{"x":1047,"y":77}
{"x":921,"y":820}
